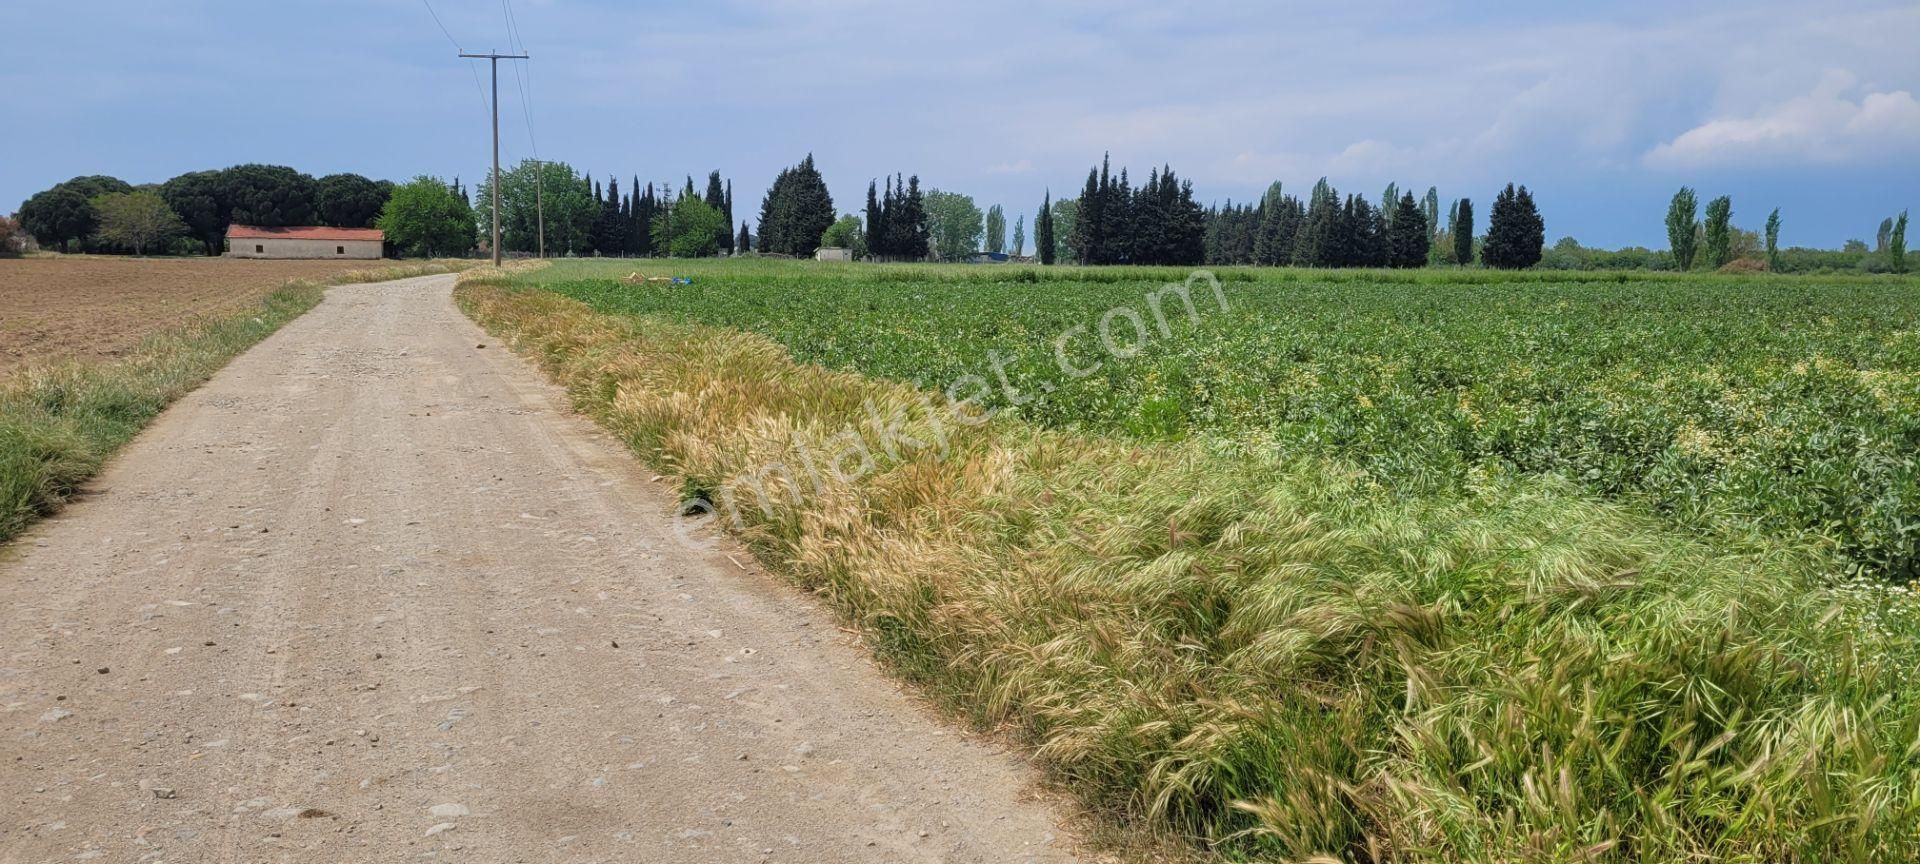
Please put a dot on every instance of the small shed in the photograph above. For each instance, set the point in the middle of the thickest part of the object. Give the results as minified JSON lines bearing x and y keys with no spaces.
{"x":304,"y":241}
{"x":833,"y":253}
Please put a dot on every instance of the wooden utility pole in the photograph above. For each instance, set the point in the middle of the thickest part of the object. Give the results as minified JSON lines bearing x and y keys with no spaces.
{"x":494,"y":61}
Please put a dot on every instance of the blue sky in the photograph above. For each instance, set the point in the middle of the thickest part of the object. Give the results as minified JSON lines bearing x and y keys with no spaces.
{"x":1602,"y":111}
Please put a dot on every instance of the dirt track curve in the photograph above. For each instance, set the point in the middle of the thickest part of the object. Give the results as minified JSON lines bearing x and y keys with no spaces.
{"x":372,"y":595}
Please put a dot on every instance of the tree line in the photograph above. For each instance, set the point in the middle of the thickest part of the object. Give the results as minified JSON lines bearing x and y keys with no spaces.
{"x":189,"y":214}
{"x":551,"y":207}
{"x":1714,"y":243}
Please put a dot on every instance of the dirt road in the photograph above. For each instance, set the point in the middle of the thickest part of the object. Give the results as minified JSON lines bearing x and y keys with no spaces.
{"x":371,"y":595}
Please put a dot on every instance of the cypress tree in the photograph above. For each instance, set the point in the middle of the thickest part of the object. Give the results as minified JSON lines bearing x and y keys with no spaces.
{"x":1043,"y":229}
{"x":1085,"y":241}
{"x":744,"y":243}
{"x":1463,"y":232}
{"x":879,"y":242}
{"x":727,"y":211}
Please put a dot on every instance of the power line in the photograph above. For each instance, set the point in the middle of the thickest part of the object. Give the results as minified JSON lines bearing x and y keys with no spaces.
{"x":443,"y":27}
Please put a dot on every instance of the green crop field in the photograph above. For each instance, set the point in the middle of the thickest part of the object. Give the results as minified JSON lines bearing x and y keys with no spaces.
{"x":1422,"y":567}
{"x":1787,"y":405}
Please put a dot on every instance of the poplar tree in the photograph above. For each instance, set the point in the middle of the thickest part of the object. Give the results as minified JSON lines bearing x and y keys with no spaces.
{"x":996,"y":241}
{"x":1773,"y":240}
{"x":1897,"y":244}
{"x":1718,"y":233}
{"x":1682,"y":227}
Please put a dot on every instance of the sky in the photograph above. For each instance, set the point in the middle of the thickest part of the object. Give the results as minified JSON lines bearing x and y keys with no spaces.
{"x":1603,"y":110}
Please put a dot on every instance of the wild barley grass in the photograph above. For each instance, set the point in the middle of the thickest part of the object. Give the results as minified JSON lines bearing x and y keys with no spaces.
{"x":1279,"y":660}
{"x":59,"y":424}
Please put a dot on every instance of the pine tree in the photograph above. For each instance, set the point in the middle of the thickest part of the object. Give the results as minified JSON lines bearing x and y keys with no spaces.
{"x":1319,"y":239}
{"x":1462,"y":231}
{"x":1682,"y":228}
{"x":913,"y":221}
{"x":1515,"y":233}
{"x":1409,"y":236}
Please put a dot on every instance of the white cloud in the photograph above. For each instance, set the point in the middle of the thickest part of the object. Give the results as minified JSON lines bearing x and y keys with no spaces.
{"x":1822,"y":127}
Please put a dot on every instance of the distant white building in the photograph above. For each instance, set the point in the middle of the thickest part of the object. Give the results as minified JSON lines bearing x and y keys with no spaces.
{"x":832,"y":253}
{"x":304,"y":241}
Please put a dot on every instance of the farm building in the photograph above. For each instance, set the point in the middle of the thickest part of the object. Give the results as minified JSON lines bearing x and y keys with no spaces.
{"x":304,"y":241}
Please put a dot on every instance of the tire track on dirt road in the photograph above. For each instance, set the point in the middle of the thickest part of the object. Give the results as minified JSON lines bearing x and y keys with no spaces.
{"x":372,"y":595}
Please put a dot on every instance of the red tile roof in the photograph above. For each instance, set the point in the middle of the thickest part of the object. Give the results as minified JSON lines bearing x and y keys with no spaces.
{"x":302,"y":232}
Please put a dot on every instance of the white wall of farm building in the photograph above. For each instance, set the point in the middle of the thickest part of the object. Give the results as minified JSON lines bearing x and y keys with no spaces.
{"x":288,"y":247}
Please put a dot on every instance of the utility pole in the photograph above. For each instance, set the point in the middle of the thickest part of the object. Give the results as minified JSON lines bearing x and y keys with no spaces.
{"x":494,"y":61}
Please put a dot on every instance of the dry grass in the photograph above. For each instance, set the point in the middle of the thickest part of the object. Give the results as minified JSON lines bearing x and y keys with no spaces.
{"x":1272,"y":661}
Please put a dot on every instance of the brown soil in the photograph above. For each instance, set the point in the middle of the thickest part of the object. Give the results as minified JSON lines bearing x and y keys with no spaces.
{"x":56,"y":308}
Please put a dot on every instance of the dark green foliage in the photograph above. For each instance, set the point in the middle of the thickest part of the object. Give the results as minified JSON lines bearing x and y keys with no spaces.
{"x":744,"y":243}
{"x":1159,"y":223}
{"x":1322,"y":233}
{"x":720,"y":197}
{"x":1718,"y":235}
{"x":269,"y":196}
{"x":63,"y":218}
{"x":200,"y":198}
{"x":1462,"y":232}
{"x":1773,"y":240}
{"x":1683,"y":228}
{"x":1408,"y":237}
{"x":896,"y":228}
{"x":1043,"y":241}
{"x":796,"y":211}
{"x":350,"y":200}
{"x":611,"y":232}
{"x":1897,"y":244}
{"x":1279,"y":230}
{"x":1515,"y":233}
